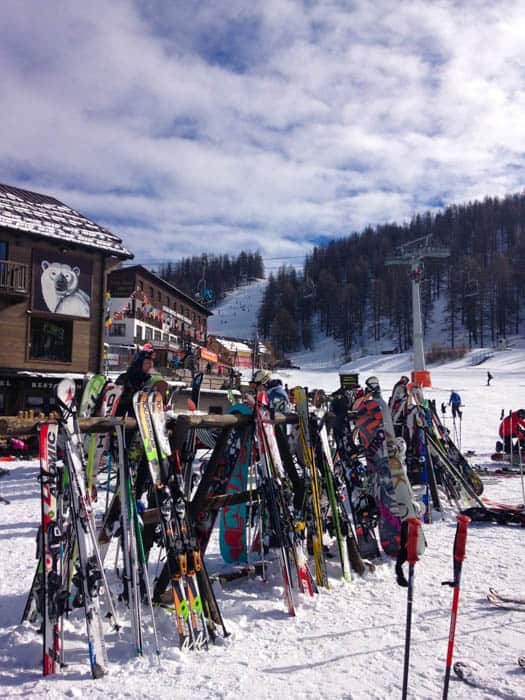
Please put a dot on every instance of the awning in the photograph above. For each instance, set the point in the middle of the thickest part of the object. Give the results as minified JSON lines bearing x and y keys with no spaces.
{"x":210,"y":356}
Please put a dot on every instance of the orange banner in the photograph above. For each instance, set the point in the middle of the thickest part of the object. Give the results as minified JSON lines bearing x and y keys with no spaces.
{"x":210,"y":356}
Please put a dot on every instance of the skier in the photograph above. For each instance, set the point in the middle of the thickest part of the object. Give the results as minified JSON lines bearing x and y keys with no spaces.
{"x":135,"y":377}
{"x":512,"y":426}
{"x":260,"y":377}
{"x":443,"y":408}
{"x":489,"y":378}
{"x":278,"y":396}
{"x":455,"y":403}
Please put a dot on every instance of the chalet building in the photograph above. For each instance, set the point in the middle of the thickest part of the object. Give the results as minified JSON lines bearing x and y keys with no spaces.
{"x":237,"y":354}
{"x":53,"y":267}
{"x":145,"y":308}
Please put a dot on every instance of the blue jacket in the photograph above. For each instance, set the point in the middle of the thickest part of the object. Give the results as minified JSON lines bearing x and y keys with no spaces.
{"x":455,"y":399}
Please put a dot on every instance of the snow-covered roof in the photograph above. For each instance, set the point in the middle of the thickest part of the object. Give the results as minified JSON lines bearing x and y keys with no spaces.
{"x":234,"y":345}
{"x":45,"y":216}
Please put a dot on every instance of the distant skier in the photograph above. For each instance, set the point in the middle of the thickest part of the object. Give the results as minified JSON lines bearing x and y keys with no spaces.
{"x":455,"y":403}
{"x":443,"y":408}
{"x":489,"y":378}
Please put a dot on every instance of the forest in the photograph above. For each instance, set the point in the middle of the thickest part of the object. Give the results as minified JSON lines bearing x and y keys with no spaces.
{"x":207,"y":278}
{"x":356,"y":295}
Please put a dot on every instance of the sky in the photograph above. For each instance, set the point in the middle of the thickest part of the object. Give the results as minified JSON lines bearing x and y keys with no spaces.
{"x":188,"y":126}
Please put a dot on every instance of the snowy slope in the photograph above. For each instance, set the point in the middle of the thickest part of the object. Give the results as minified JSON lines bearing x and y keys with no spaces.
{"x":348,"y":641}
{"x":236,"y":315}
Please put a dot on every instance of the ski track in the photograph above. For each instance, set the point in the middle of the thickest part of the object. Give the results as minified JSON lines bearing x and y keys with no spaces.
{"x":347,"y":642}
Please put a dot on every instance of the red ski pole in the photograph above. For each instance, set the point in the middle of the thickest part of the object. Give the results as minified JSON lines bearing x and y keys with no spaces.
{"x":460,"y":543}
{"x":413,"y":531}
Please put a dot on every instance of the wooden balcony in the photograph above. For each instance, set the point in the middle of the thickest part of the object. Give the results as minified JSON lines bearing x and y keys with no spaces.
{"x":14,"y":278}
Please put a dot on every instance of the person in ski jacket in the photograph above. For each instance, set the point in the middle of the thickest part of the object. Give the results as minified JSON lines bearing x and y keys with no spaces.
{"x":512,"y":426}
{"x":135,"y":377}
{"x":455,"y":403}
{"x":489,"y":378}
{"x":277,"y":395}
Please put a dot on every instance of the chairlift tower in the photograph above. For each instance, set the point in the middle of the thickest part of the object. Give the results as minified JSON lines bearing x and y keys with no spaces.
{"x":413,"y":254}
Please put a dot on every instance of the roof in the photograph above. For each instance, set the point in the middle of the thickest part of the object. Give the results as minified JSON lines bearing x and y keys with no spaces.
{"x":233,"y":345}
{"x":148,"y":273}
{"x":45,"y":216}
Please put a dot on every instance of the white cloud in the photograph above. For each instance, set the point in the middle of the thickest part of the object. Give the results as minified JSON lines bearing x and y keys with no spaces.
{"x":190,"y":126}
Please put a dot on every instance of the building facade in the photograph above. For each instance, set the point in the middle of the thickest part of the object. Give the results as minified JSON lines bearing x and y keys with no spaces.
{"x":145,"y":308}
{"x":53,"y":268}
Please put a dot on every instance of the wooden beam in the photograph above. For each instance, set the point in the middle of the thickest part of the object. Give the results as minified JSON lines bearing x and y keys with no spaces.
{"x":16,"y":425}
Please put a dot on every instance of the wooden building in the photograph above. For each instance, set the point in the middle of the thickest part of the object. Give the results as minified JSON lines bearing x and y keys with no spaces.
{"x":238,"y":354}
{"x":146,"y":308}
{"x":53,"y":267}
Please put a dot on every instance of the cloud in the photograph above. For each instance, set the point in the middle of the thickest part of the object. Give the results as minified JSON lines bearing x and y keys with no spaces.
{"x":190,"y":126}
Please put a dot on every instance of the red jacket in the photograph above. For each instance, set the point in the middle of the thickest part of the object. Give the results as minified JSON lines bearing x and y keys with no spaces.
{"x":512,"y":425}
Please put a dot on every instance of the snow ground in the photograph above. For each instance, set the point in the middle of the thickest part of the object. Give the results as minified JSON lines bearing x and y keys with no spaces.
{"x":345,"y":643}
{"x":348,"y":641}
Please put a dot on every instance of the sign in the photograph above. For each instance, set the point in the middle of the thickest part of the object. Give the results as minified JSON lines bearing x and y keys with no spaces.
{"x":349,"y":381}
{"x":209,"y":356}
{"x":62,"y":284}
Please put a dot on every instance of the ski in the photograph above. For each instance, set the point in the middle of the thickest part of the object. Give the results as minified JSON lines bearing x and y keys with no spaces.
{"x":51,"y":543}
{"x":308,"y":458}
{"x":506,"y":599}
{"x":181,"y":522}
{"x":474,"y":676}
{"x":90,"y":577}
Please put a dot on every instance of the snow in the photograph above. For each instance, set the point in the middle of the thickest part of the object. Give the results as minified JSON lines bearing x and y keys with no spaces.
{"x":348,"y":641}
{"x":236,"y":315}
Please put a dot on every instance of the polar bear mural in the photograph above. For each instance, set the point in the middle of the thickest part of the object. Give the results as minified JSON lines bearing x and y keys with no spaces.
{"x":61,"y":292}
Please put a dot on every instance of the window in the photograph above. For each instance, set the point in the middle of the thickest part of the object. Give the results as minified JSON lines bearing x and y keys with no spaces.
{"x":140,"y":285}
{"x":138,"y":332}
{"x":165,"y":337}
{"x":159,"y":296}
{"x":51,"y":340}
{"x":157,"y":335}
{"x":118,"y":330}
{"x":3,"y":250}
{"x":151,"y":293}
{"x":147,"y":333}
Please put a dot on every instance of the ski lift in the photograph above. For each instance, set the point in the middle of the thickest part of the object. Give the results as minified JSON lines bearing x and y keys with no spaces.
{"x":203,"y":294}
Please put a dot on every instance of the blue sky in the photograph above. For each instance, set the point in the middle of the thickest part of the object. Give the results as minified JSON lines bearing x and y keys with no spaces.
{"x":187,"y":126}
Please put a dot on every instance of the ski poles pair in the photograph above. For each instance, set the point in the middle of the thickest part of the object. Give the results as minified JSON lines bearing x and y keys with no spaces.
{"x":460,"y":542}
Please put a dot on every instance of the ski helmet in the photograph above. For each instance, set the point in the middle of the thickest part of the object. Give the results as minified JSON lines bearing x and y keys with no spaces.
{"x":372,"y":383}
{"x":261,"y":376}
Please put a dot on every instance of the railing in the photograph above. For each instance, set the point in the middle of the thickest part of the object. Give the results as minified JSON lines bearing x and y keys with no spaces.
{"x":480,"y":356}
{"x":14,"y":277}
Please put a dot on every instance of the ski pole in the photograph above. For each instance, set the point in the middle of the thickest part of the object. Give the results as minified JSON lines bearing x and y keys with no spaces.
{"x":460,"y":542}
{"x":413,"y":531}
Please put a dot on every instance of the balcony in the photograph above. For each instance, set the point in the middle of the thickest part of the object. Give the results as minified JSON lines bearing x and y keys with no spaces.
{"x":14,"y":278}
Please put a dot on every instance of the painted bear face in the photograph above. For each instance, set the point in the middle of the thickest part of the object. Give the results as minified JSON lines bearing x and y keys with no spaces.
{"x":64,"y":278}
